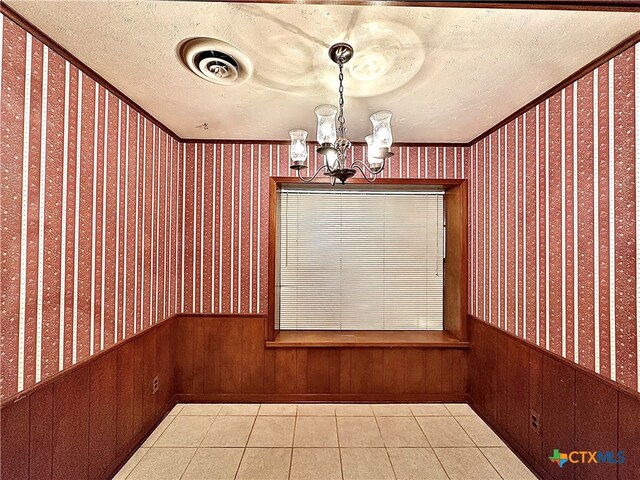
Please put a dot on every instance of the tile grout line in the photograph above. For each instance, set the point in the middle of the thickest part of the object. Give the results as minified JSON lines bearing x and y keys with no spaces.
{"x":490,"y":463}
{"x":148,"y":448}
{"x":293,"y":438}
{"x":189,"y":462}
{"x":384,"y":443}
{"x":137,"y":463}
{"x":432,"y":448}
{"x":476,"y":443}
{"x":420,"y":427}
{"x":428,"y":441}
{"x":245,"y":444}
{"x":339,"y":447}
{"x":163,"y":430}
{"x":465,"y":431}
{"x":201,"y":440}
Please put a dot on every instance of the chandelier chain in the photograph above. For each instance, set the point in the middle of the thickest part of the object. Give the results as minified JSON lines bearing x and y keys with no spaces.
{"x":341,"y":121}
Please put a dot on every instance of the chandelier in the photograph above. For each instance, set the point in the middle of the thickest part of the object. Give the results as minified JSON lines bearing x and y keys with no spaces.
{"x":332,"y":139}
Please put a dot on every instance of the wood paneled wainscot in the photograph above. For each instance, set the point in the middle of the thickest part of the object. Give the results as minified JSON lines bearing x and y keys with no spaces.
{"x":85,"y":422}
{"x":512,"y":380}
{"x":225,"y":359}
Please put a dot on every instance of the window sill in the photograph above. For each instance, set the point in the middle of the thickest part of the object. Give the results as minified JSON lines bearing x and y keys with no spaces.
{"x":328,"y":338}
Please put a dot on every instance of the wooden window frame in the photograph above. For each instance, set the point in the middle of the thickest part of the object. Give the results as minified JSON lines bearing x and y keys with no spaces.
{"x":454,"y":333}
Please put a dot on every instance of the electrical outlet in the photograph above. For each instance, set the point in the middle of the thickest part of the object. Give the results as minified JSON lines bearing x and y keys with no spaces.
{"x":155,"y":386}
{"x":535,"y":422}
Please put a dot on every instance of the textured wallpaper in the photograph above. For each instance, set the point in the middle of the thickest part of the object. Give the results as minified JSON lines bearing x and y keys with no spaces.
{"x":227,"y":219}
{"x":111,"y":230}
{"x":553,"y":225}
{"x":88,"y":214}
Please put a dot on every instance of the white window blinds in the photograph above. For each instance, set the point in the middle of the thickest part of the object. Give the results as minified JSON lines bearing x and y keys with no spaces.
{"x":360,"y":260}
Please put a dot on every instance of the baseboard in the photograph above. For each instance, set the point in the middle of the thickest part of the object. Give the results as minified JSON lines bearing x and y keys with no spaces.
{"x":321,"y":398}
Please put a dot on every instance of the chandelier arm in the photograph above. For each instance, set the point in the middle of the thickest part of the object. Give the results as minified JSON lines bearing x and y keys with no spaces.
{"x":364,"y":175}
{"x":310,"y":179}
{"x":360,"y":164}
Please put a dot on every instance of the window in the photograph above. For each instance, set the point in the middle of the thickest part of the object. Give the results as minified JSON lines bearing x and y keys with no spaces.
{"x":359,"y":258}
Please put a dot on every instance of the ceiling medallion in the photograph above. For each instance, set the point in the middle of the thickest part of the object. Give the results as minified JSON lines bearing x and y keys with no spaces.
{"x":332,"y":140}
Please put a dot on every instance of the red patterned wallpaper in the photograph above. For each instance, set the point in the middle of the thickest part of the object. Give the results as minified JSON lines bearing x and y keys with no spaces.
{"x":227,"y":193}
{"x":88,"y":217}
{"x":110,"y":232}
{"x":553,"y":230}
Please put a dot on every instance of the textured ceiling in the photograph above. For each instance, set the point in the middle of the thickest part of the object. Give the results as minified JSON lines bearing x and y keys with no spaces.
{"x":448,"y":74}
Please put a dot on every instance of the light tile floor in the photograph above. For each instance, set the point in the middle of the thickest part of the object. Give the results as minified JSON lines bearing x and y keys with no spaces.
{"x":323,"y":442}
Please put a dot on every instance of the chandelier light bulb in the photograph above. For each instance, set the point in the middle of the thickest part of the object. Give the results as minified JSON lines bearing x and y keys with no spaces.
{"x":331,"y":159}
{"x":373,"y":154}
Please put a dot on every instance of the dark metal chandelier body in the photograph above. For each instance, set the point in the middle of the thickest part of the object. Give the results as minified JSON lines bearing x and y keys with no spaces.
{"x":332,"y":136}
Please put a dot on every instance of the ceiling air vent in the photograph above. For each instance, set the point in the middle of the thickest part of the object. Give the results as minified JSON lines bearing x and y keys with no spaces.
{"x":215,"y":60}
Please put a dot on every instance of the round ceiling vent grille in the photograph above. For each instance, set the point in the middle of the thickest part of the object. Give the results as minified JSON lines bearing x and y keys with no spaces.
{"x":215,"y":61}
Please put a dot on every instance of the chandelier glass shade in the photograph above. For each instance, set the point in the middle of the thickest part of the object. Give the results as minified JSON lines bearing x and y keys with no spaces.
{"x":333,"y":143}
{"x":298,"y":150}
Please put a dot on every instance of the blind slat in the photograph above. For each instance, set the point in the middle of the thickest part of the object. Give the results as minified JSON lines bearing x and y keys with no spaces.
{"x":353,"y":261}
